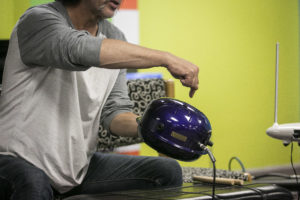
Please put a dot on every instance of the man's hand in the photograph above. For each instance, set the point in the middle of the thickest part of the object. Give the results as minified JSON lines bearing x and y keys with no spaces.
{"x":185,"y":71}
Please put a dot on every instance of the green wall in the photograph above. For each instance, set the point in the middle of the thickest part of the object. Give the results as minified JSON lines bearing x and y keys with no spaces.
{"x":37,"y":2}
{"x":10,"y":11}
{"x":6,"y":13}
{"x":233,"y":43}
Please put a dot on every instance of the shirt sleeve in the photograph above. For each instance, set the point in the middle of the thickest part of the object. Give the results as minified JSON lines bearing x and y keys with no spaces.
{"x":46,"y":39}
{"x":117,"y":102}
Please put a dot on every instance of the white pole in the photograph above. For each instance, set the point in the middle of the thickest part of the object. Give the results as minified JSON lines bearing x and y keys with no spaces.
{"x":276,"y":81}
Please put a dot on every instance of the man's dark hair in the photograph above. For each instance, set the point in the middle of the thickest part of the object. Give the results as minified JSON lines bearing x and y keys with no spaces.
{"x":69,"y":2}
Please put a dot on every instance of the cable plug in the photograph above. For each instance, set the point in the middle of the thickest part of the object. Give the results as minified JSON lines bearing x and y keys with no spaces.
{"x":204,"y":148}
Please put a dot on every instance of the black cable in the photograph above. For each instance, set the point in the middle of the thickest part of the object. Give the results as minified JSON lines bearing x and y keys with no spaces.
{"x":296,"y":176}
{"x":214,"y":178}
{"x":273,"y":174}
{"x":239,"y":161}
{"x":213,"y":160}
{"x":257,"y":191}
{"x":205,"y":193}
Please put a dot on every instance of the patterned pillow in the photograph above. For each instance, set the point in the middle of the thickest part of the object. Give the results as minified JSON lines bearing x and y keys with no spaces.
{"x":141,"y":92}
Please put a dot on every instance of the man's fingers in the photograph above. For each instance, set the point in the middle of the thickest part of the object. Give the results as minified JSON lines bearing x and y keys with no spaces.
{"x":194,"y":87}
{"x":192,"y":84}
{"x":192,"y":92}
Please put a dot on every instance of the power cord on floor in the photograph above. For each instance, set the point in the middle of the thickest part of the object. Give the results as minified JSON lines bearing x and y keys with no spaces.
{"x":239,"y":161}
{"x":213,"y":160}
{"x":292,"y":163}
{"x":280,"y":175}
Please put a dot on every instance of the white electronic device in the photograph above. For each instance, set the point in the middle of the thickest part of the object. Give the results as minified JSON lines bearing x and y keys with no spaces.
{"x":286,"y":132}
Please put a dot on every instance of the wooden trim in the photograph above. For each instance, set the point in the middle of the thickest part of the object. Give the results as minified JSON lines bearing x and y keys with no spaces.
{"x":170,"y":88}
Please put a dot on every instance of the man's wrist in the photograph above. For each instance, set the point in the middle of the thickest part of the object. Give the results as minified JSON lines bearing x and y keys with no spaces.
{"x":165,"y":59}
{"x":139,"y":134}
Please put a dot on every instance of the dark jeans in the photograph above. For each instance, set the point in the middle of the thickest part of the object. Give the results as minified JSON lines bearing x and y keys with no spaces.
{"x":107,"y":172}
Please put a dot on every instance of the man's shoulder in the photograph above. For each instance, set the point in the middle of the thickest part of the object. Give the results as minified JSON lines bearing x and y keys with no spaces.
{"x":53,"y":9}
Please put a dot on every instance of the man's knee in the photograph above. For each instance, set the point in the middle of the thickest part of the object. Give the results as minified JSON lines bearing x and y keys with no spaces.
{"x":171,"y":172}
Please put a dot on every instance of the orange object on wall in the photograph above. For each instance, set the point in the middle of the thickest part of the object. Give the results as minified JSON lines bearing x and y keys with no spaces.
{"x":129,"y":4}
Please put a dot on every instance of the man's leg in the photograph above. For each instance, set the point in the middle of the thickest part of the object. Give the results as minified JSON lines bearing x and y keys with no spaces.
{"x":20,"y":180}
{"x":113,"y":172}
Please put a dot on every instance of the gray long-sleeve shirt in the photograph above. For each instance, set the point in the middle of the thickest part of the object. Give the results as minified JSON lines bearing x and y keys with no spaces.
{"x":52,"y":98}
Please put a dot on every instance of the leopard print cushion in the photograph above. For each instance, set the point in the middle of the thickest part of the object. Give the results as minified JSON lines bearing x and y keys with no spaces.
{"x":141,"y":92}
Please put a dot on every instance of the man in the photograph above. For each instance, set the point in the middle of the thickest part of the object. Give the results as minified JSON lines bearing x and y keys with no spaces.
{"x":65,"y":68}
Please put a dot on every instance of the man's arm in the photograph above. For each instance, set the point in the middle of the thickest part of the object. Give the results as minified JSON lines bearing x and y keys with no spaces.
{"x":124,"y":124}
{"x":120,"y":54}
{"x":46,"y":40}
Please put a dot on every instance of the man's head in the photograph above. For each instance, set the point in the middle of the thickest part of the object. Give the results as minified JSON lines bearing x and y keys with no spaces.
{"x":69,"y":2}
{"x":103,"y":8}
